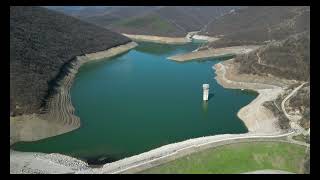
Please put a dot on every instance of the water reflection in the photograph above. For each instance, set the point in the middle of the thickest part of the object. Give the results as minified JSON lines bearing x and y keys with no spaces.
{"x":155,"y":48}
{"x":249,"y":92}
{"x":245,"y":92}
{"x":160,"y":49}
{"x":205,"y":106}
{"x":205,"y":103}
{"x":208,"y":59}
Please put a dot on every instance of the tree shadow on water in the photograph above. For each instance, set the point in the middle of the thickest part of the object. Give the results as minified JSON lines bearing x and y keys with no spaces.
{"x":100,"y":160}
{"x":205,"y":103}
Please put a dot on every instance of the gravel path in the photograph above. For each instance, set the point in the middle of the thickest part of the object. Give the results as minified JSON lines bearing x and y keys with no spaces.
{"x":291,"y":117}
{"x":294,"y":124}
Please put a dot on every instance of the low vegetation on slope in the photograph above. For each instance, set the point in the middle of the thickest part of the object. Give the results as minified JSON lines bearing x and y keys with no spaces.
{"x":299,"y":104}
{"x":238,"y":158}
{"x":275,"y":107}
{"x":258,"y":25}
{"x":289,"y":59}
{"x":41,"y":43}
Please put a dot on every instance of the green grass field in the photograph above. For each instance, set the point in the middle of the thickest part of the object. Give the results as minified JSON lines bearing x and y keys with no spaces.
{"x":238,"y":158}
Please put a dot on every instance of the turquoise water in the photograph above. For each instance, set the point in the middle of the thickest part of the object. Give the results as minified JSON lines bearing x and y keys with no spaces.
{"x":140,"y":100}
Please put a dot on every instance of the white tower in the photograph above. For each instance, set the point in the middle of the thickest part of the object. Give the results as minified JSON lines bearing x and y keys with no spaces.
{"x":205,"y":92}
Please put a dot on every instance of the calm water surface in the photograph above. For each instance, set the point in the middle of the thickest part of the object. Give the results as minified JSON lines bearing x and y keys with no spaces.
{"x":140,"y":100}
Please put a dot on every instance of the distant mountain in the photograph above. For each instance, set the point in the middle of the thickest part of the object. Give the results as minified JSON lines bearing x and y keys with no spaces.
{"x":257,"y":25}
{"x":169,"y":21}
{"x":80,"y":10}
{"x":41,"y":43}
{"x":103,"y":15}
{"x":117,"y":13}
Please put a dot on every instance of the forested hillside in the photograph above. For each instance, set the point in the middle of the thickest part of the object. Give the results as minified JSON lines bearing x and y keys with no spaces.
{"x":42,"y":41}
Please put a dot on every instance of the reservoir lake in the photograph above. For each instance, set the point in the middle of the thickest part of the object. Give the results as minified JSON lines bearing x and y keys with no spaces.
{"x":140,"y":100}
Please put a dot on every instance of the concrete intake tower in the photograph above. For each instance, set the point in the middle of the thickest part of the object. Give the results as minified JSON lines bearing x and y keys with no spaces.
{"x":205,"y":92}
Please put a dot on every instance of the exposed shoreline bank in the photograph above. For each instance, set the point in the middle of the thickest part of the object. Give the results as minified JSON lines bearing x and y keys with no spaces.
{"x":159,"y":39}
{"x":170,"y":40}
{"x":256,"y":117}
{"x":205,"y":38}
{"x":59,"y":116}
{"x":212,"y":53}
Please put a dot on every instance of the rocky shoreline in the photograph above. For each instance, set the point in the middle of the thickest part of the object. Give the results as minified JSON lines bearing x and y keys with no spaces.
{"x":58,"y":117}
